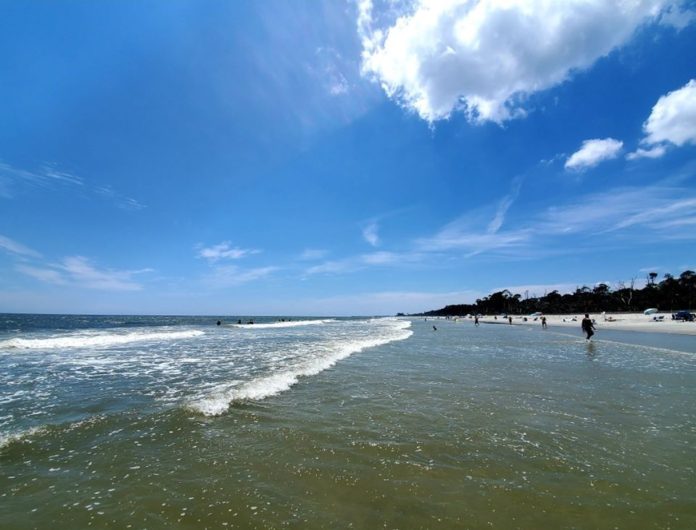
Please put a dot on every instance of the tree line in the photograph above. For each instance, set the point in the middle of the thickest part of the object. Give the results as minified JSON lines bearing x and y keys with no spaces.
{"x":670,"y":294}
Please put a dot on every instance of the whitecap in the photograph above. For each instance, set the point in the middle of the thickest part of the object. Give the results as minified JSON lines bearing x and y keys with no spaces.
{"x":96,"y":340}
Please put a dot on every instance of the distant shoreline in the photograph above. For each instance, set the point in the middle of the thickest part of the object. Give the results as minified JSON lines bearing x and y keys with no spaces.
{"x":614,"y":321}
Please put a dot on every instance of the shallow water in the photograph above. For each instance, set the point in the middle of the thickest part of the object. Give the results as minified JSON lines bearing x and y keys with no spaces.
{"x":466,"y":427}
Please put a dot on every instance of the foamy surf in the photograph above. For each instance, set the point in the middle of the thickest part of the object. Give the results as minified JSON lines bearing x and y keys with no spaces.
{"x":218,"y":401}
{"x":286,"y":324}
{"x":99,"y":340}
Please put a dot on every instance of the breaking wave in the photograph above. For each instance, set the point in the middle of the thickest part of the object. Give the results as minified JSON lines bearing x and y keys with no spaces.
{"x":217,"y":401}
{"x":95,"y":340}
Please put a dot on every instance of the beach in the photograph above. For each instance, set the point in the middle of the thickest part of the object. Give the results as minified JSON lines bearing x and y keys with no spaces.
{"x":654,"y":323}
{"x":392,"y":424}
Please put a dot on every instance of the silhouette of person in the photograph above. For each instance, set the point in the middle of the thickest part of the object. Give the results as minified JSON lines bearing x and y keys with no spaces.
{"x":587,"y":326}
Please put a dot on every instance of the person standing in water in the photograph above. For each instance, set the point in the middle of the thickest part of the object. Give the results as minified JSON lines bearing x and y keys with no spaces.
{"x":543,"y":322}
{"x":587,"y":326}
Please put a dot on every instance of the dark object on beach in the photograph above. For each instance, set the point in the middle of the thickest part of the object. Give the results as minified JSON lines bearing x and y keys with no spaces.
{"x":587,"y":326}
{"x":543,"y":322}
{"x":218,"y":322}
{"x":683,"y":315}
{"x":434,"y":328}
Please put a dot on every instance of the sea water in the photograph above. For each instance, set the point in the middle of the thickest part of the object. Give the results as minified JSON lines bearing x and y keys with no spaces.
{"x":176,"y":422}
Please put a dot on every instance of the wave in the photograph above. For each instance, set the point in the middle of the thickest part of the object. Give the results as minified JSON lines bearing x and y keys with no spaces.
{"x":7,"y":439}
{"x":218,"y":401}
{"x":99,"y":340}
{"x":287,"y":324}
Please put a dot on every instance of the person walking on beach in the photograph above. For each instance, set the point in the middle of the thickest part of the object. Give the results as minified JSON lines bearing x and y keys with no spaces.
{"x":587,"y":326}
{"x":476,"y":320}
{"x":543,"y":322}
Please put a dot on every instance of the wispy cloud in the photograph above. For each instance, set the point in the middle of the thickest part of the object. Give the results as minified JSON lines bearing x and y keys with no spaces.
{"x":363,"y":261}
{"x":387,"y":302}
{"x":504,"y":205}
{"x":224,"y":251}
{"x":81,"y":272}
{"x":42,"y":274}
{"x":231,"y":275}
{"x":49,"y":177}
{"x":652,"y":208}
{"x":311,"y":254}
{"x":121,"y":201}
{"x":593,"y":152}
{"x":370,"y":233}
{"x":13,"y":247}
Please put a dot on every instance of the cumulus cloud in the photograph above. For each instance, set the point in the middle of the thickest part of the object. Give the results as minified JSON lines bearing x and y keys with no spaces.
{"x":485,"y":57}
{"x":593,"y":152}
{"x":224,"y":251}
{"x":671,"y":122}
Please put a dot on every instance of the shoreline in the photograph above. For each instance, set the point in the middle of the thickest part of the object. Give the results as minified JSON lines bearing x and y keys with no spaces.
{"x":614,"y":321}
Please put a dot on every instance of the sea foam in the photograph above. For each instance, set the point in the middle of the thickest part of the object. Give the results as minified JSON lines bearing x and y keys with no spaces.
{"x":96,"y":340}
{"x":219,"y":400}
{"x":287,"y":324}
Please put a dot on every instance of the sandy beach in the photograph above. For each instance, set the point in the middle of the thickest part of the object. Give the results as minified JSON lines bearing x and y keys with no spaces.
{"x":656,"y":323}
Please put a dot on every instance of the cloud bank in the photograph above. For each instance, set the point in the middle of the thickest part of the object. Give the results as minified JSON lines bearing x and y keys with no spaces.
{"x":485,"y":57}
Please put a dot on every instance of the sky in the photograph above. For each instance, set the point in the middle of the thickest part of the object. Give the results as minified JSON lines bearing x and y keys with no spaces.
{"x":340,"y":157}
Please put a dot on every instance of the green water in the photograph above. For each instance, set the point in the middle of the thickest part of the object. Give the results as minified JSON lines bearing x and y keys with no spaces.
{"x":490,"y":427}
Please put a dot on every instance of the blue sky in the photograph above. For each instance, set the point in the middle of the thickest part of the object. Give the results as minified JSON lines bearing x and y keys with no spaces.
{"x":340,"y":158}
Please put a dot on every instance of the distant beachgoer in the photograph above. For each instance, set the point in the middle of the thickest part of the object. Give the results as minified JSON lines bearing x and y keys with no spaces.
{"x":510,"y":320}
{"x":476,"y":321}
{"x":218,"y":322}
{"x":434,"y":328}
{"x":587,"y":326}
{"x":239,"y":321}
{"x":543,"y":322}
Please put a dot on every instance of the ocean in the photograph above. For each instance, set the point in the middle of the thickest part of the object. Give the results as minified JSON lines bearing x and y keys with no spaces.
{"x":176,"y":422}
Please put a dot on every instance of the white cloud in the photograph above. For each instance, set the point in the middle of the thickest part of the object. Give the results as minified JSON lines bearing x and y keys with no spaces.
{"x":363,"y":261}
{"x":671,"y":122}
{"x":504,"y":205}
{"x":653,"y":152}
{"x":387,"y":302}
{"x":231,"y":275}
{"x":484,"y":57}
{"x":593,"y":152}
{"x":126,"y":203}
{"x":370,"y":234}
{"x":81,"y":271}
{"x":650,"y":209}
{"x":13,"y":247}
{"x":224,"y":251}
{"x":310,"y":254}
{"x":41,"y":274}
{"x":49,"y":177}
